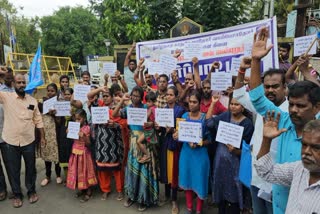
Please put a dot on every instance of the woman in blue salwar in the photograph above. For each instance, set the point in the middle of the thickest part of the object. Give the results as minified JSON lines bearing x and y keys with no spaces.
{"x":141,"y":180}
{"x":228,"y":192}
{"x":194,"y":165}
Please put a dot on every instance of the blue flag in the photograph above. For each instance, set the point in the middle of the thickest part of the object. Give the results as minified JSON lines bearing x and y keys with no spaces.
{"x":35,"y":74}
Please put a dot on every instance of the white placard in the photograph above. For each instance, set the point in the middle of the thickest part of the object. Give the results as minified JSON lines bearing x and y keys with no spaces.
{"x":137,"y":116}
{"x":235,"y":65}
{"x":247,"y":49}
{"x":49,"y":104}
{"x":164,"y":117}
{"x":109,"y":68}
{"x":192,"y":50}
{"x":73,"y":130}
{"x":190,"y":132}
{"x":229,"y":133}
{"x":220,"y":81}
{"x":63,"y":108}
{"x":100,"y":115}
{"x":168,"y":63}
{"x":302,"y":44}
{"x":80,"y":92}
{"x":154,"y":68}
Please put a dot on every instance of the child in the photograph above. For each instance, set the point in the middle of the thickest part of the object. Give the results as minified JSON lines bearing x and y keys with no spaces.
{"x":49,"y":152}
{"x":149,"y":135}
{"x":81,"y":172}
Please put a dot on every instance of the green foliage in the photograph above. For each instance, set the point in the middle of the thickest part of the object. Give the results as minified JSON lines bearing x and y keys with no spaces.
{"x":73,"y":32}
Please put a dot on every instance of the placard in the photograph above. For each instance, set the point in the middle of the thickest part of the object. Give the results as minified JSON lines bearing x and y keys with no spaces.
{"x":73,"y":130}
{"x":100,"y":115}
{"x":229,"y":133}
{"x":137,"y":116}
{"x":190,"y":132}
{"x":247,"y":49}
{"x":235,"y":65}
{"x":164,"y":117}
{"x":154,"y":68}
{"x":192,"y":50}
{"x":168,"y":64}
{"x":109,"y":68}
{"x":220,"y":81}
{"x":49,"y":104}
{"x":80,"y":92}
{"x":63,"y":108}
{"x":301,"y":45}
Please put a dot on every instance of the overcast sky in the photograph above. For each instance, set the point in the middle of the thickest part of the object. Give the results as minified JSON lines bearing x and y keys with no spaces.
{"x":40,"y":8}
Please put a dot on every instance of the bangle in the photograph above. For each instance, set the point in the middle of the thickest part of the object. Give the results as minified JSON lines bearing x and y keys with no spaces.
{"x":242,"y":71}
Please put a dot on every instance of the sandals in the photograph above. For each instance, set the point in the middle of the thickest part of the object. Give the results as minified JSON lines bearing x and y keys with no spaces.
{"x":175,"y":208}
{"x":128,"y":203}
{"x":120,"y":196}
{"x":17,"y":203}
{"x":105,"y":196}
{"x":86,"y":197}
{"x":142,"y":207}
{"x":3,"y":195}
{"x":59,"y":180}
{"x":33,"y":198}
{"x":45,"y":182}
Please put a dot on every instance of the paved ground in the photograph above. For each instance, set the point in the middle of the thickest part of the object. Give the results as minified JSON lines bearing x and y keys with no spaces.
{"x":56,"y":198}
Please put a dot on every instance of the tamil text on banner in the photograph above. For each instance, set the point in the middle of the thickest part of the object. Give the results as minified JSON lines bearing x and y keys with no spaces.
{"x":220,"y":45}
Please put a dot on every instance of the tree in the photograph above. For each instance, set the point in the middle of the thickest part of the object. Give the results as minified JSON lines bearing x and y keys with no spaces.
{"x":73,"y":32}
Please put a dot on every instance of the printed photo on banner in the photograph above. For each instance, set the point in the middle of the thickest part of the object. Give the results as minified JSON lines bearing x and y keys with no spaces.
{"x":73,"y":130}
{"x":229,"y":133}
{"x":49,"y":104}
{"x":136,"y":116}
{"x":220,"y":45}
{"x":190,"y":132}
{"x":164,"y":117}
{"x":63,"y":108}
{"x":100,"y":115}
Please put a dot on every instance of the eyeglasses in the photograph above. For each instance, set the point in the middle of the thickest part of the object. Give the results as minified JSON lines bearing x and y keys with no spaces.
{"x":275,"y":86}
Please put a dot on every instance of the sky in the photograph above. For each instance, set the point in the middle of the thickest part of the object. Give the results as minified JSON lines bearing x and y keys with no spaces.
{"x":32,"y":8}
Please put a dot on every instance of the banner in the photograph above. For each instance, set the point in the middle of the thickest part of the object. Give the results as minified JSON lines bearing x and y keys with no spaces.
{"x":220,"y":45}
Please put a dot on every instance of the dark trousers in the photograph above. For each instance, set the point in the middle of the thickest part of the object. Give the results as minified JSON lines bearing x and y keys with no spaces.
{"x":173,"y":192}
{"x":13,"y":156}
{"x":48,"y":169}
{"x":226,"y":207}
{"x":3,"y":185}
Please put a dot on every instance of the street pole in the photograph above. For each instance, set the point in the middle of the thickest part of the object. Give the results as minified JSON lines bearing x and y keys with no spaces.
{"x":301,"y":17}
{"x":266,"y":9}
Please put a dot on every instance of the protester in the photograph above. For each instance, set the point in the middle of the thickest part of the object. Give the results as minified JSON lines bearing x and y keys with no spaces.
{"x":275,"y":90}
{"x":108,"y":149}
{"x":284,"y":53}
{"x":81,"y":173}
{"x":19,"y":141}
{"x":141,"y":180}
{"x":5,"y":87}
{"x":64,"y":83}
{"x":228,"y":192}
{"x":129,"y":68}
{"x":86,"y":77}
{"x":50,"y":153}
{"x":303,"y":100}
{"x":194,"y":163}
{"x":301,"y":176}
{"x":170,"y":151}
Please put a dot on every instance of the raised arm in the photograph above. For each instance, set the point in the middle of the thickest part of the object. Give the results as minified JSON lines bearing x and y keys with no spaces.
{"x":97,"y":91}
{"x":214,"y":100}
{"x":116,"y":111}
{"x":176,"y":81}
{"x":126,"y":61}
{"x":196,"y":74}
{"x":215,"y":66}
{"x":122,"y":81}
{"x":309,"y":73}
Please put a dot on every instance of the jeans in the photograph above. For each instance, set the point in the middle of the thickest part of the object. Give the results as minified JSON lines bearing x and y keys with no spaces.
{"x":260,"y":206}
{"x":13,"y":156}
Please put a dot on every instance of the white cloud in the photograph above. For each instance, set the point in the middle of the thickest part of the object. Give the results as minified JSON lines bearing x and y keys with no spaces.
{"x":32,"y":8}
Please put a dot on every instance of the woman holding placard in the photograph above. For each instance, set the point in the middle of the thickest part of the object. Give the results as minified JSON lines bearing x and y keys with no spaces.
{"x":108,"y":147}
{"x":141,"y":180}
{"x":194,"y":165}
{"x":170,"y":151}
{"x":226,"y":187}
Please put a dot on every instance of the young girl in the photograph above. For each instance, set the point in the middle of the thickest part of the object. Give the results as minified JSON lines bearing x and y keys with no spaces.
{"x":81,"y":172}
{"x":49,"y":152}
{"x":64,"y":143}
{"x":148,"y":136}
{"x":170,"y":151}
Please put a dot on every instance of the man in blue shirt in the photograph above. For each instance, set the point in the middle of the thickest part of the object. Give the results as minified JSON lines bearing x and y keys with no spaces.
{"x":303,"y":99}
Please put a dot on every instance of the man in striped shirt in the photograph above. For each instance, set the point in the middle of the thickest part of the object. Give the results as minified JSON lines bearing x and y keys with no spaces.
{"x":303,"y":177}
